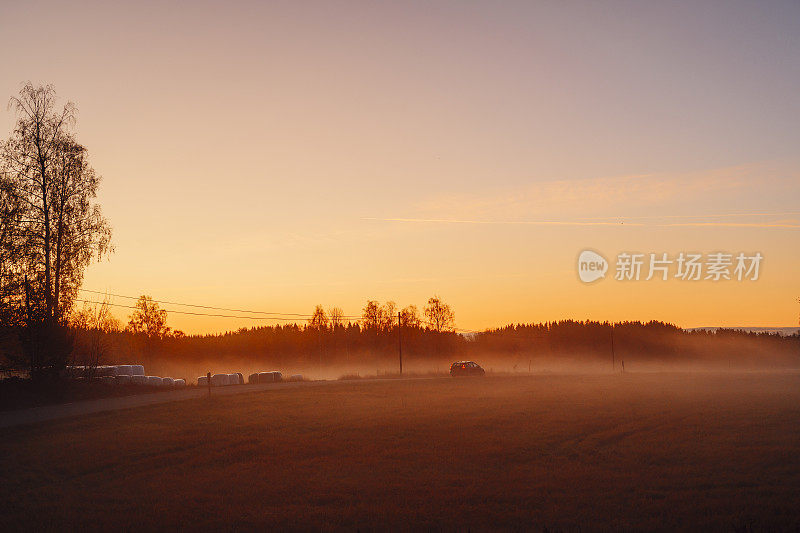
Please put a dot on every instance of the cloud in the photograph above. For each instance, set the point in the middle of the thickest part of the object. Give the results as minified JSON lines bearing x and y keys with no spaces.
{"x":618,"y":223}
{"x":511,"y":222}
{"x":690,"y":198}
{"x":590,"y":196}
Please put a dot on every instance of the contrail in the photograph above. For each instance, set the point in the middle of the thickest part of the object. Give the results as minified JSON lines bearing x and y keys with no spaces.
{"x":502,"y":222}
{"x":734,"y":224}
{"x":720,"y":215}
{"x":606,"y":221}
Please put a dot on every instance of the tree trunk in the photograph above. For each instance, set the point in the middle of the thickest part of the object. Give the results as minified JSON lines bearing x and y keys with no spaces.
{"x":45,"y":208}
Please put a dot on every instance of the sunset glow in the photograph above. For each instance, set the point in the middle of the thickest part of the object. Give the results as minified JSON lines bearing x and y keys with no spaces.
{"x":274,"y":157}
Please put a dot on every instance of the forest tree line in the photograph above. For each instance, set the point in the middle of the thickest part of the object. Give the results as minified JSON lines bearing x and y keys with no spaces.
{"x":429,"y":338}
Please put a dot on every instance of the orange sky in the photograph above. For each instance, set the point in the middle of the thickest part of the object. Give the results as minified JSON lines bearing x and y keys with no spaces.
{"x":275,"y":157}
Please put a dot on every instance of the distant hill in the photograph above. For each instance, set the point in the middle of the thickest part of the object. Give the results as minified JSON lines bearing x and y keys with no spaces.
{"x":780,"y":331}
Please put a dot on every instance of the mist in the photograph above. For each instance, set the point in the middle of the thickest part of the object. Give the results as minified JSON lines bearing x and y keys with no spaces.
{"x":354,"y":352}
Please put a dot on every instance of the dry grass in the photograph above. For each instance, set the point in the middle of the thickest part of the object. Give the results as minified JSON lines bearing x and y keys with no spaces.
{"x":513,"y":453}
{"x":23,"y":393}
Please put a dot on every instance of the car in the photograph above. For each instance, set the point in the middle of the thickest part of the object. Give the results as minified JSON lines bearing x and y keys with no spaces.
{"x":466,"y":368}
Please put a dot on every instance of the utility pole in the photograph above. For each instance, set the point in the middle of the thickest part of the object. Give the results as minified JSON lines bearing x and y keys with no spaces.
{"x":27,"y":301}
{"x":400,"y":343}
{"x":28,"y":334}
{"x":613,"y":362}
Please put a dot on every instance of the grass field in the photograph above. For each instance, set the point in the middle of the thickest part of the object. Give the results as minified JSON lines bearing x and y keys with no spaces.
{"x":647,"y":451}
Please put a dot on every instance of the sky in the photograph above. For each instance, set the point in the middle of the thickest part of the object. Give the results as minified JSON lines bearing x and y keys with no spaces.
{"x":277,"y":155}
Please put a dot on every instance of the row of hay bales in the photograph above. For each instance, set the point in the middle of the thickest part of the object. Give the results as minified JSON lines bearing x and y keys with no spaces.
{"x":122,"y":375}
{"x":272,"y":377}
{"x":265,"y":377}
{"x":150,"y":381}
{"x":75,"y":371}
{"x":221,"y":380}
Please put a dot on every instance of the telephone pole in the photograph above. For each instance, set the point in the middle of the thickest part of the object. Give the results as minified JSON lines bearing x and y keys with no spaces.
{"x":28,"y":322}
{"x":400,"y":343}
{"x":613,"y":362}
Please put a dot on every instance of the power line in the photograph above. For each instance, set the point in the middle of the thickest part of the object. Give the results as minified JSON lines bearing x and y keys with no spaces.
{"x":283,"y":316}
{"x":190,"y":312}
{"x":302,"y":315}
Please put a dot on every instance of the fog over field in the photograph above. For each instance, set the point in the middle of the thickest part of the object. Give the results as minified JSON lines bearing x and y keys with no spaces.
{"x":493,"y":366}
{"x":329,"y":352}
{"x":652,"y":451}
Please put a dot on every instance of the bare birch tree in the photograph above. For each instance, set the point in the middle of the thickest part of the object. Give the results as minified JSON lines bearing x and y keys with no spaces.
{"x":55,"y":187}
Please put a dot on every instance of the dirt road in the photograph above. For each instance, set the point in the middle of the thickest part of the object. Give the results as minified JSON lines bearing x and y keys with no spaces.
{"x":54,"y":412}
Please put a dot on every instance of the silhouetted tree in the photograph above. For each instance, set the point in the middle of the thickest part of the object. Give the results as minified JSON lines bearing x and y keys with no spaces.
{"x":12,"y":252}
{"x":371,"y":316}
{"x":388,"y":316}
{"x":149,"y":319}
{"x":319,"y":320}
{"x":148,"y":324}
{"x":50,"y":176}
{"x":439,"y":315}
{"x":336,"y":317}
{"x":409,"y":317}
{"x":92,"y":323}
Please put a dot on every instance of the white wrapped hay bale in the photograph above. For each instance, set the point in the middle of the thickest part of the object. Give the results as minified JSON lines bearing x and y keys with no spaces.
{"x":241,"y":378}
{"x":139,"y":380}
{"x":123,"y":379}
{"x":202,"y":381}
{"x":124,"y":370}
{"x":233,"y":379}
{"x":277,"y":376}
{"x":108,"y":380}
{"x":179,"y":383}
{"x":153,"y":381}
{"x":167,"y":382}
{"x":253,"y":378}
{"x":219,"y":380}
{"x":103,"y":371}
{"x":129,"y":370}
{"x":76,"y":371}
{"x":266,"y":377}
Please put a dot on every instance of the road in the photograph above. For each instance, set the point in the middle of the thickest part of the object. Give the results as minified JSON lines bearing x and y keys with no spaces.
{"x":44,"y":413}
